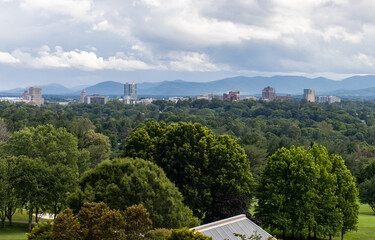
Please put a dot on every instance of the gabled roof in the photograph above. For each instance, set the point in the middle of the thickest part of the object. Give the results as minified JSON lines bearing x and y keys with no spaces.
{"x":225,"y":229}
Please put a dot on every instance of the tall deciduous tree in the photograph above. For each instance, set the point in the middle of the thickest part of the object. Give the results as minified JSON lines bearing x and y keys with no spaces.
{"x":53,"y":146}
{"x":97,"y":144}
{"x":205,"y":168}
{"x":307,"y":190}
{"x":49,"y":158}
{"x":29,"y":178}
{"x":9,"y":201}
{"x":124,"y":182}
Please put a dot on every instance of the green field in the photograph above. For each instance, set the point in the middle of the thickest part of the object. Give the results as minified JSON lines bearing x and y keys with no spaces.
{"x":16,"y":232}
{"x":23,"y":216}
{"x":366,"y":222}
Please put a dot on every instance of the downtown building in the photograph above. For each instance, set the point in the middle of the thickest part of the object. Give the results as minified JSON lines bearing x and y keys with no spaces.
{"x":309,"y":94}
{"x":269,"y":94}
{"x":130,"y":93}
{"x":96,"y":98}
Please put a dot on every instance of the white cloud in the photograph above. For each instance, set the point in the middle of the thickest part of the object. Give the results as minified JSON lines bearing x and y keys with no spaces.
{"x":83,"y":60}
{"x":193,"y":62}
{"x":7,"y":58}
{"x":365,"y":59}
{"x":76,"y":8}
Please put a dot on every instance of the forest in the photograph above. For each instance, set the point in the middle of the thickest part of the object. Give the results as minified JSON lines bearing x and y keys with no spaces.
{"x":219,"y":140}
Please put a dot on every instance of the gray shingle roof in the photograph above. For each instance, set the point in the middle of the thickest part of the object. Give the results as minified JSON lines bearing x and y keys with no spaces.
{"x":225,"y":229}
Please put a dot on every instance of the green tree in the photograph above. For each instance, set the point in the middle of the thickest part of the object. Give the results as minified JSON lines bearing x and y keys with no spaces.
{"x":204,"y":167}
{"x":54,"y":161}
{"x":347,"y":194}
{"x":138,"y":222}
{"x":9,"y":201}
{"x":95,"y":221}
{"x":51,"y":145}
{"x":67,"y":227}
{"x":98,"y":146}
{"x":124,"y":182}
{"x":307,"y":190}
{"x":29,"y":178}
{"x":367,"y":193}
{"x":98,"y":222}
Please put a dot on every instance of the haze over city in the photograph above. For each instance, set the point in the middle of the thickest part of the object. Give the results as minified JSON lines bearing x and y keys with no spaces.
{"x":83,"y":42}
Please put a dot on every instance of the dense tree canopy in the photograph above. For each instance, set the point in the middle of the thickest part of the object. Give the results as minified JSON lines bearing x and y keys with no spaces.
{"x":123,"y":182}
{"x":207,"y":169}
{"x":346,"y":128}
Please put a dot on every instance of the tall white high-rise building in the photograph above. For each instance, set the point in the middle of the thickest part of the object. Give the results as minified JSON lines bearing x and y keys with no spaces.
{"x":130,"y":93}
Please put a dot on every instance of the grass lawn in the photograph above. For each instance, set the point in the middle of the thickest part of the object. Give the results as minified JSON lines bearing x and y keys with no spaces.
{"x":16,"y":232}
{"x":366,"y":219}
{"x":24,"y":216}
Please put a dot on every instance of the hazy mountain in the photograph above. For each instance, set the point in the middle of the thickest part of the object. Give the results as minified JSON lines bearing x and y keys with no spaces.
{"x":50,"y":89}
{"x":360,"y":93}
{"x":356,"y":85}
{"x":106,"y":88}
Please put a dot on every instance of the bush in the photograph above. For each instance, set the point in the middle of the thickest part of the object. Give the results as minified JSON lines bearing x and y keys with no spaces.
{"x":158,"y":234}
{"x":186,"y":234}
{"x":41,"y":232}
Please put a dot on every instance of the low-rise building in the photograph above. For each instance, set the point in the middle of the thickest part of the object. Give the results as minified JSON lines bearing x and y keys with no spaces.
{"x":96,"y":98}
{"x":231,"y":96}
{"x":328,"y":99}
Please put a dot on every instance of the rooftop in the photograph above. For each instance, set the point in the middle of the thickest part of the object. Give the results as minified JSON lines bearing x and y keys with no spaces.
{"x":225,"y":229}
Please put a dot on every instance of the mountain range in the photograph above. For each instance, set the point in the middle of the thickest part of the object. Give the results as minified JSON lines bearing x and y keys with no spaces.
{"x":360,"y":86}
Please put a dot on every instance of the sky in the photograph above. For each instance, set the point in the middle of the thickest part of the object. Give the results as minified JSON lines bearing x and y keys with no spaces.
{"x":83,"y":42}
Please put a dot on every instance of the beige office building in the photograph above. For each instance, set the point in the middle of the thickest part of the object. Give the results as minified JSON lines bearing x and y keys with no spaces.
{"x":36,"y":95}
{"x":309,"y":94}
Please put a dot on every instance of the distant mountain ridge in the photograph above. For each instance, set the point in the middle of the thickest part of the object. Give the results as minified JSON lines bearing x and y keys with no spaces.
{"x":246,"y":85}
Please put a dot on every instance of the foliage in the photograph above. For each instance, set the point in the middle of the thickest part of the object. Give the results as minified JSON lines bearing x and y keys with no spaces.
{"x":186,"y":234}
{"x":9,"y":201}
{"x":202,"y":166}
{"x":53,"y":146}
{"x":41,"y":231}
{"x":94,"y":221}
{"x":124,"y":182}
{"x":341,"y":127}
{"x":45,"y":165}
{"x":66,"y":227}
{"x":97,"y":145}
{"x":158,"y":234}
{"x":367,"y":192}
{"x":307,"y":189}
{"x":138,"y":222}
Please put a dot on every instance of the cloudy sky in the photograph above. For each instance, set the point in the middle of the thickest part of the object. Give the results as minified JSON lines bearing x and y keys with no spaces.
{"x":82,"y":42}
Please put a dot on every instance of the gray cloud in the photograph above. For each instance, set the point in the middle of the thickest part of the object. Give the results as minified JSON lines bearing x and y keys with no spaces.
{"x":239,"y":36}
